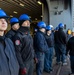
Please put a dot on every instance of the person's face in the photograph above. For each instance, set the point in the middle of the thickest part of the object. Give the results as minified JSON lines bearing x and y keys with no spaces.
{"x":26,"y":23}
{"x":15,"y":26}
{"x":3,"y":24}
{"x":49,"y":32}
{"x":43,"y":30}
{"x":72,"y":33}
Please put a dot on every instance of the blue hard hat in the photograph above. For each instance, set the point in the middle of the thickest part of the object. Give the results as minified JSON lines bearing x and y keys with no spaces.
{"x":61,"y":25}
{"x":48,"y":28}
{"x":3,"y":14}
{"x":57,"y":28}
{"x":24,"y":17}
{"x":14,"y":20}
{"x":41,"y":24}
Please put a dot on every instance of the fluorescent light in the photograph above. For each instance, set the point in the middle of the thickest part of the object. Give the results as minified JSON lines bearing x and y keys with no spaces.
{"x":15,"y":12}
{"x":41,"y":16}
{"x":21,"y":4}
{"x":39,"y":2}
{"x":11,"y":15}
{"x":36,"y":19}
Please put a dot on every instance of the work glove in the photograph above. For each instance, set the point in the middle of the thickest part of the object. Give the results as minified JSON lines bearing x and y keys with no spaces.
{"x":23,"y":71}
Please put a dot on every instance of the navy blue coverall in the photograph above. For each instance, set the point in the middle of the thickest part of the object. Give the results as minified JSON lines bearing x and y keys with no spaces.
{"x":49,"y":54}
{"x":10,"y":34}
{"x":60,"y":45}
{"x":8,"y":61}
{"x":24,"y":49}
{"x":41,"y":47}
{"x":70,"y":49}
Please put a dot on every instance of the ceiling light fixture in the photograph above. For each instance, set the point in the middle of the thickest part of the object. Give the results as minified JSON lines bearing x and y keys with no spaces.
{"x":36,"y":19}
{"x":11,"y":15}
{"x":21,"y":4}
{"x":39,"y":2}
{"x":14,"y":12}
{"x":41,"y":15}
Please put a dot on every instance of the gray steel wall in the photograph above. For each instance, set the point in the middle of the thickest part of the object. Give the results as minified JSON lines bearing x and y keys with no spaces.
{"x":72,"y":5}
{"x":65,"y":16}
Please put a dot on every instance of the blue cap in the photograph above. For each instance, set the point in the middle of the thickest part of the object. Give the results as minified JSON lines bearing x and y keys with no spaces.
{"x":3,"y":14}
{"x":41,"y":24}
{"x":14,"y":20}
{"x":24,"y":17}
{"x":57,"y":28}
{"x":61,"y":25}
{"x":48,"y":28}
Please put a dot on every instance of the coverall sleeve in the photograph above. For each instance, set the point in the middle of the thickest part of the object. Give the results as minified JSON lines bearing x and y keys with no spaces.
{"x":17,"y":44}
{"x":67,"y":47}
{"x":42,"y":44}
{"x":65,"y":38}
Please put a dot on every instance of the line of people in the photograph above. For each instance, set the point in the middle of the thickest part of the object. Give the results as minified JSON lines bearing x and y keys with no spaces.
{"x":19,"y":51}
{"x":21,"y":47}
{"x":64,"y":46}
{"x":16,"y":56}
{"x":46,"y":41}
